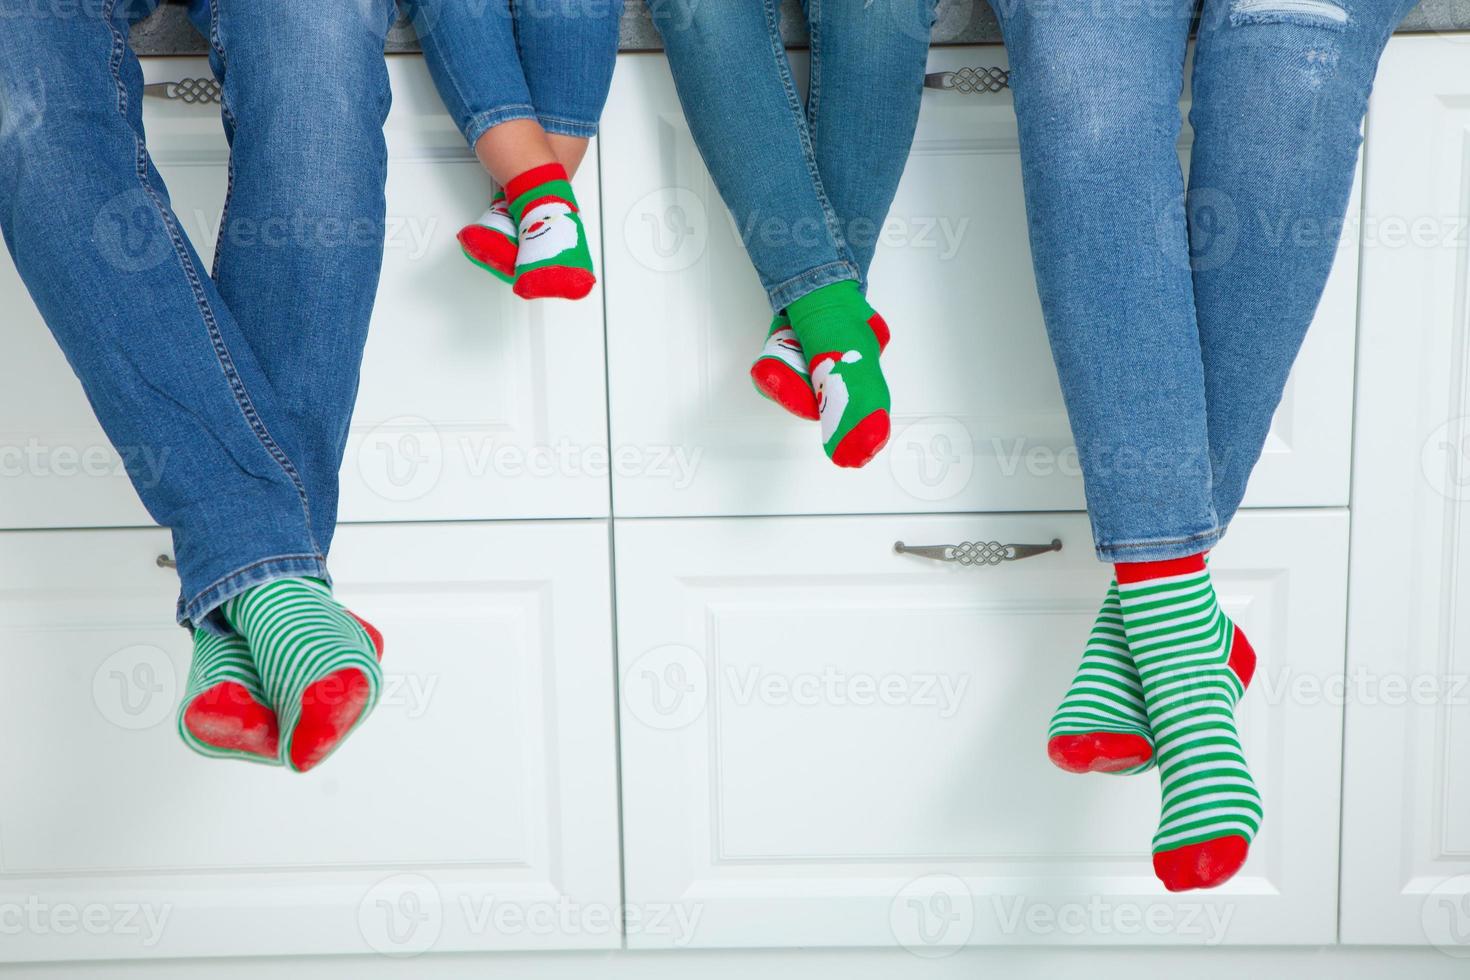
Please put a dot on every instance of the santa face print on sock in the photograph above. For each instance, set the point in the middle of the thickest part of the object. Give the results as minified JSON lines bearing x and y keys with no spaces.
{"x":547,"y":230}
{"x":831,"y":389}
{"x":784,"y":346}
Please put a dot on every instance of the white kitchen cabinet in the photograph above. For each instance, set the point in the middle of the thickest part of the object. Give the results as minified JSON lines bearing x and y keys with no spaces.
{"x":827,"y":743}
{"x":1406,"y":814}
{"x":473,"y":403}
{"x":475,"y":810}
{"x":978,"y":417}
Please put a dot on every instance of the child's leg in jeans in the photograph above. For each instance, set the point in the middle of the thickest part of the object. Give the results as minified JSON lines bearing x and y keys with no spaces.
{"x":740,"y":99}
{"x":532,"y":233}
{"x":867,"y":80}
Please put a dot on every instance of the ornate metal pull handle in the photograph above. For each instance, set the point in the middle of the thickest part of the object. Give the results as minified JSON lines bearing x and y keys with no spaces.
{"x":970,"y":81}
{"x":164,"y":561}
{"x":187,"y":90}
{"x":977,"y":552}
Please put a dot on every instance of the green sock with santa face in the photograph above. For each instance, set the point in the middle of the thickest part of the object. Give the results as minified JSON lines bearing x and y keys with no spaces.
{"x":832,"y":325}
{"x":553,"y":261}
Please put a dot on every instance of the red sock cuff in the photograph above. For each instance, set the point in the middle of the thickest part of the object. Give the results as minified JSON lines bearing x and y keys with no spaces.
{"x":1142,"y":571}
{"x":534,"y":178}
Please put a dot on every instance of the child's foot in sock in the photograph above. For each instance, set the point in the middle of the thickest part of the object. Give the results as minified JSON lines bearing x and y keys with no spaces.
{"x":490,"y":242}
{"x":781,"y":372}
{"x":317,"y":662}
{"x":1194,"y":664}
{"x":1101,"y":724}
{"x":225,"y":713}
{"x":553,"y":260}
{"x":852,"y":396}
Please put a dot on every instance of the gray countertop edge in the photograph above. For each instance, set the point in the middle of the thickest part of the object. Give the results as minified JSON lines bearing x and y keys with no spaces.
{"x":168,"y":31}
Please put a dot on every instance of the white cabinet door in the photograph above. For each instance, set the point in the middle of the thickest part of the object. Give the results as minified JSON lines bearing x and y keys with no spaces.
{"x":476,"y":809}
{"x":827,"y":743}
{"x":1406,"y":820}
{"x":473,"y":404}
{"x":979,"y":422}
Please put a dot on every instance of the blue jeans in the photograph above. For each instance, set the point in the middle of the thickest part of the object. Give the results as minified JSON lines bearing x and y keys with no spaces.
{"x":547,"y":60}
{"x":809,"y":186}
{"x":1174,"y":320}
{"x":242,"y":381}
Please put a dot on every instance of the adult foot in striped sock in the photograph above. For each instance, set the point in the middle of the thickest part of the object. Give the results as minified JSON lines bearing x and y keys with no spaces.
{"x":1101,"y":724}
{"x":225,"y":713}
{"x":1194,"y":664}
{"x":317,"y":663}
{"x":782,"y":374}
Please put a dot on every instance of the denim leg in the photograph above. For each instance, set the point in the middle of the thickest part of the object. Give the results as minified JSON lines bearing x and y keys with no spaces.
{"x":747,"y":117}
{"x":1279,"y":98}
{"x":305,"y":93}
{"x":1096,"y":93}
{"x":471,"y":52}
{"x":166,"y":368}
{"x":867,"y":82}
{"x":568,"y":51}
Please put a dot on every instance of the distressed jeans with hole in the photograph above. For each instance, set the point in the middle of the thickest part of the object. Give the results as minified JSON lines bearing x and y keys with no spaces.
{"x":241,"y":383}
{"x":1174,"y":318}
{"x":809,"y":185}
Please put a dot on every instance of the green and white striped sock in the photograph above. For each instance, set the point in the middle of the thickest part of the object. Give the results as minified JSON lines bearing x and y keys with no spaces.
{"x":1101,"y":724}
{"x":225,"y":713}
{"x":317,"y":662}
{"x":1195,"y":664}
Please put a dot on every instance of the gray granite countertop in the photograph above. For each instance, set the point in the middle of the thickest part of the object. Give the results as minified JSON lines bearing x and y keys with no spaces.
{"x":960,"y":22}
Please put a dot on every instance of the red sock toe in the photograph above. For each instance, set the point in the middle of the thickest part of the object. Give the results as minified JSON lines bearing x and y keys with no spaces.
{"x":329,"y":709}
{"x":555,"y":282}
{"x":1099,"y":751}
{"x":228,"y":718}
{"x":489,"y":248}
{"x":864,"y":442}
{"x":1202,"y":865}
{"x":777,"y":381}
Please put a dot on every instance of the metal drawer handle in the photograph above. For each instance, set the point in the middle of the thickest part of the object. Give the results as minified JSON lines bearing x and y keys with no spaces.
{"x":970,"y":81}
{"x":164,"y":561}
{"x":187,"y":90}
{"x":977,"y":552}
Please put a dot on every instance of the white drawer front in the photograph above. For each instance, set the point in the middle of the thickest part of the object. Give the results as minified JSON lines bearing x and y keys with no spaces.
{"x":978,"y":416}
{"x":476,"y":804}
{"x":1406,"y":823}
{"x":826,"y":743}
{"x":473,"y":404}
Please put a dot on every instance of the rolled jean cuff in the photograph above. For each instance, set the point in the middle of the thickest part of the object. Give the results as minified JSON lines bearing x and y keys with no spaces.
{"x":200,"y":611}
{"x":1158,"y":549}
{"x":566,"y":126}
{"x":788,"y":292}
{"x":482,"y":122}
